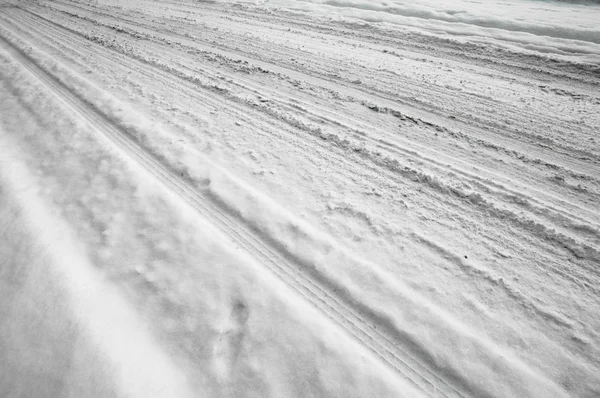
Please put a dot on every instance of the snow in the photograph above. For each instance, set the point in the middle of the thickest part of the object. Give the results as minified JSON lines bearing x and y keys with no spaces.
{"x":240,"y":199}
{"x":65,"y":331}
{"x":541,"y":26}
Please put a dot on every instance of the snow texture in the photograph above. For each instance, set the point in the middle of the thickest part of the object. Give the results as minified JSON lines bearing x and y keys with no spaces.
{"x":299,"y":198}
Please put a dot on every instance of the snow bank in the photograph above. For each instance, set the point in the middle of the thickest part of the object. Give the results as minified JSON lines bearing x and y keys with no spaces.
{"x":547,"y":24}
{"x":512,"y":17}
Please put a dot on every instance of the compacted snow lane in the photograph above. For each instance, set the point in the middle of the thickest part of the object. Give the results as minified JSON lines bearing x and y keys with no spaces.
{"x":244,"y":237}
{"x":294,"y":204}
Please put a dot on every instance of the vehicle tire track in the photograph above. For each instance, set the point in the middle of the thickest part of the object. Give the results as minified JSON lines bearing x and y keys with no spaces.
{"x":570,"y":275}
{"x":340,"y":312}
{"x":541,"y":212}
{"x":409,"y":148}
{"x":472,"y":126}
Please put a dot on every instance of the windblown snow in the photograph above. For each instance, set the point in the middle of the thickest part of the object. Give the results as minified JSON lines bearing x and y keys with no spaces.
{"x":280,"y":198}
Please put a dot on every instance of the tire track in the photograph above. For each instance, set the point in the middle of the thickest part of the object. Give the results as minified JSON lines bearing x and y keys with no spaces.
{"x":368,"y":94}
{"x":70,"y":40}
{"x":474,"y":127}
{"x":555,"y":223}
{"x":388,"y":351}
{"x":571,"y":275}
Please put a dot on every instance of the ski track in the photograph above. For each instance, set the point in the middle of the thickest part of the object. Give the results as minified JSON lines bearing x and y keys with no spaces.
{"x":571,"y":222}
{"x":388,"y":351}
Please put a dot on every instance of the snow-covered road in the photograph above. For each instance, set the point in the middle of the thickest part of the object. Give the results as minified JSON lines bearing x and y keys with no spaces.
{"x":281,"y":202}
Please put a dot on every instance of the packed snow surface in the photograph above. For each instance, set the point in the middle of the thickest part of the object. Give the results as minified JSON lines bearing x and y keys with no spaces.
{"x":281,"y":198}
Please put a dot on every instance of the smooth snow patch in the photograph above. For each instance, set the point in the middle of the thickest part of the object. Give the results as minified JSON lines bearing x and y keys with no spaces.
{"x":63,"y":330}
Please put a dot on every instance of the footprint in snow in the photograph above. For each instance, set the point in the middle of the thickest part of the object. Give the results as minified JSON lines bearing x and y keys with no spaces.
{"x":230,"y":342}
